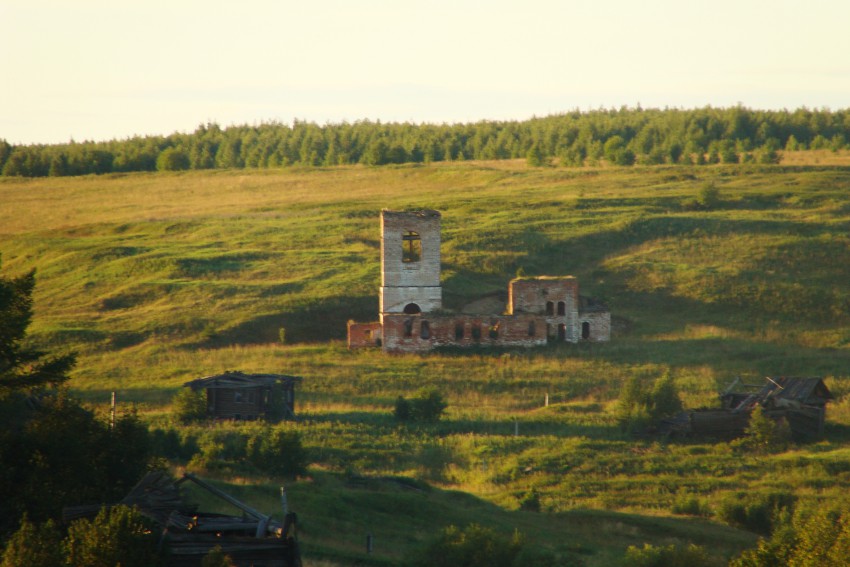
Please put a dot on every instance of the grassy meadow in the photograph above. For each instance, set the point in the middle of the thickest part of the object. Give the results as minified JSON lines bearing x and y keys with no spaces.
{"x":157,"y":279}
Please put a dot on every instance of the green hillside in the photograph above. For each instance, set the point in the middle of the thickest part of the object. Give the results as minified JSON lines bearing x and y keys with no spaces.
{"x":157,"y":279}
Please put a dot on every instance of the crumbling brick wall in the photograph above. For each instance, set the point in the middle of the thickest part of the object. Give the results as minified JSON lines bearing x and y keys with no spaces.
{"x":543,"y":294}
{"x":421,"y":333}
{"x":596,"y":326}
{"x":362,"y":335}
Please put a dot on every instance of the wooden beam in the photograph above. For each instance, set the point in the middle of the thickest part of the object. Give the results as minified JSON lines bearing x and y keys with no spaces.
{"x":228,"y":498}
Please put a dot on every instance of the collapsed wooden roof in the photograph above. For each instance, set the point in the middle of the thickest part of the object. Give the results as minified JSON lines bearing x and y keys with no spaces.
{"x":778,"y":391}
{"x":232,"y":379}
{"x":804,"y":390}
{"x":800,"y":401}
{"x":251,"y":538}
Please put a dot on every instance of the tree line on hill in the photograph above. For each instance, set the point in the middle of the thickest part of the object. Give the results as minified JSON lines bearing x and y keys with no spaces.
{"x":624,"y":136}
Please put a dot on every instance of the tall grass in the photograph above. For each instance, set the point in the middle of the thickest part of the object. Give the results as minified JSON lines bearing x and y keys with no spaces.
{"x":157,"y":279}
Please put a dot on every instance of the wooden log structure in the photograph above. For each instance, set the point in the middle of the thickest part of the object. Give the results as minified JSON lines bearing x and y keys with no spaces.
{"x":252,"y":539}
{"x":799,"y":401}
{"x":239,"y":396}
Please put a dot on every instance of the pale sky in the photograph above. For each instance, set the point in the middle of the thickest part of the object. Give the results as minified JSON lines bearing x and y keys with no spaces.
{"x":104,"y":69}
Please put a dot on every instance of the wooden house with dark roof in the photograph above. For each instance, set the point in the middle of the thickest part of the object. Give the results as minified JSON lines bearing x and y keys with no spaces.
{"x":240,"y":396}
{"x":799,"y":401}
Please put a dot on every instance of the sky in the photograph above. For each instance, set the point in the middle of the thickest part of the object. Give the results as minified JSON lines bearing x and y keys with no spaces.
{"x":113,"y":69}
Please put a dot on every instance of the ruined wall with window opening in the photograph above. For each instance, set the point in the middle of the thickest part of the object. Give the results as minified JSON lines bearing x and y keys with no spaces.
{"x":540,"y":310}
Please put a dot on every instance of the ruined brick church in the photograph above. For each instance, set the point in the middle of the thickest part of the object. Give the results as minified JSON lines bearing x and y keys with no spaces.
{"x":540,"y":310}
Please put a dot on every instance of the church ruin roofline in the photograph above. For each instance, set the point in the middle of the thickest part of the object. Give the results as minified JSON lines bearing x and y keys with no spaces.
{"x":422,"y":213}
{"x":548,"y":278}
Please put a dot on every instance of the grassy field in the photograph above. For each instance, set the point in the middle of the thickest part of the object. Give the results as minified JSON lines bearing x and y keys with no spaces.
{"x":157,"y":279}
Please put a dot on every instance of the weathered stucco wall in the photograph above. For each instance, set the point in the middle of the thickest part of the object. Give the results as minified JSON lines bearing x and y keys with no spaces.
{"x":598,"y":326}
{"x":410,"y":261}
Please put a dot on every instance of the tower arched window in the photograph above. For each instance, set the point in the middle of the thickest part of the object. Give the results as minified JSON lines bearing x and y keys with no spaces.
{"x":411,"y":247}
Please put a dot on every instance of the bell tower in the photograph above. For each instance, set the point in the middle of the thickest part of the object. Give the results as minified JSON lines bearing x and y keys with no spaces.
{"x":410,"y":262}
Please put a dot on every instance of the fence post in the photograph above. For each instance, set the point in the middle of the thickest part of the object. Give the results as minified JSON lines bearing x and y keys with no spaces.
{"x":112,"y":413}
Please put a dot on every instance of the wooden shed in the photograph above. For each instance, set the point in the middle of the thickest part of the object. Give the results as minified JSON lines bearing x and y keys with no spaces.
{"x":799,"y":401}
{"x":236,"y":395}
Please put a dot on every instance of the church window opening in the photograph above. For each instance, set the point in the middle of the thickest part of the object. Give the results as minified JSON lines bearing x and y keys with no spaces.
{"x":425,"y":330}
{"x":562,"y":308}
{"x":493,"y":332}
{"x":458,"y":331}
{"x":532,"y":329}
{"x":585,"y":330}
{"x":411,"y":247}
{"x":408,"y":327}
{"x":550,"y":308}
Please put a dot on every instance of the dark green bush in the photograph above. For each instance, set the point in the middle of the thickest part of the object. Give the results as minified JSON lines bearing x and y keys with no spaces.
{"x":117,"y":536}
{"x":756,"y":512}
{"x":34,"y":546}
{"x":402,"y":410}
{"x":819,"y":536}
{"x":638,"y":405}
{"x":765,"y":434}
{"x":666,"y":556}
{"x":427,"y":406}
{"x":277,"y":451}
{"x":189,"y":406}
{"x":473,"y":546}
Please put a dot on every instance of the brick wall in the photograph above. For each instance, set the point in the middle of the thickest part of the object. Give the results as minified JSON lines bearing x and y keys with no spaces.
{"x":421,"y":333}
{"x":533,"y":295}
{"x":598,"y":326}
{"x":363,"y":335}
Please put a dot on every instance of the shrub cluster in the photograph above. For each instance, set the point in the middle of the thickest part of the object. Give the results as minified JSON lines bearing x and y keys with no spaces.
{"x":757,"y":512}
{"x":639,"y":405}
{"x":667,"y":556}
{"x":472,"y":546}
{"x":427,"y":406}
{"x":117,"y":536}
{"x":276,"y":450}
{"x":818,"y":536}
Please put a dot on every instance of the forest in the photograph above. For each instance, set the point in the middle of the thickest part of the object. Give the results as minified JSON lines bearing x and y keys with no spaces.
{"x":624,"y":137}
